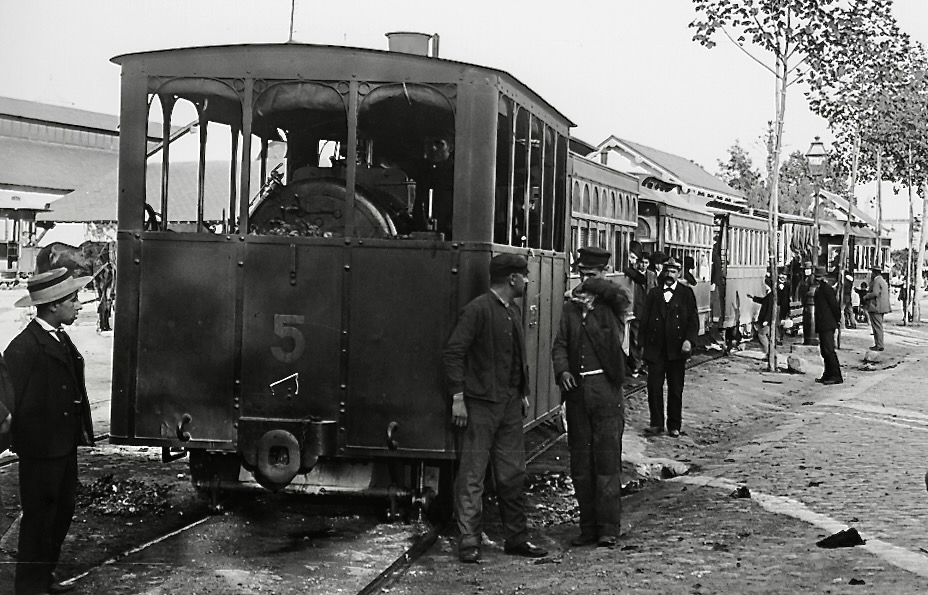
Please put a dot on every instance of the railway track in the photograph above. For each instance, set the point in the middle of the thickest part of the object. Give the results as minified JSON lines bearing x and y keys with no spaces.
{"x":391,"y":569}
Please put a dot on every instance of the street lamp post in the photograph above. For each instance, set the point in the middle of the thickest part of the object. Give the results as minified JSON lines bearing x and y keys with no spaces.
{"x":818,"y":161}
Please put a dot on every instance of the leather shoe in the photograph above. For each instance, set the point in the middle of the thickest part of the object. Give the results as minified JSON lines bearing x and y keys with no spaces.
{"x":820,"y":380}
{"x":653,"y":430}
{"x":674,"y":433}
{"x":607,"y":541}
{"x":875,"y":348}
{"x":469,"y":555}
{"x":583,"y":539}
{"x":58,"y":587}
{"x":833,"y":381}
{"x":526,"y":549}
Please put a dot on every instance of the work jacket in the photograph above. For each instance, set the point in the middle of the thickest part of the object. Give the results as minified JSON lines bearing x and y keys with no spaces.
{"x":604,"y":326}
{"x":877,"y":298}
{"x":478,"y":355}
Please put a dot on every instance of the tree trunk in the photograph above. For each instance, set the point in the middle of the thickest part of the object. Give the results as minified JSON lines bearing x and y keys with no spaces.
{"x":845,"y":243}
{"x":910,"y":252}
{"x":920,"y":261}
{"x":773,"y":208}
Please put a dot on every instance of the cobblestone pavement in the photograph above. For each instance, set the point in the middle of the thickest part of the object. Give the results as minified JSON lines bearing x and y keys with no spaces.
{"x":816,"y":459}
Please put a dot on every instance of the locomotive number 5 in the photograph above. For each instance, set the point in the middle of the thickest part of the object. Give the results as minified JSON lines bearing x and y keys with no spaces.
{"x":285,"y":327}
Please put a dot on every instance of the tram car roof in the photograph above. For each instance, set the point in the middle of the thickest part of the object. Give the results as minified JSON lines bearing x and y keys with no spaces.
{"x":326,"y":62}
{"x":677,"y":205}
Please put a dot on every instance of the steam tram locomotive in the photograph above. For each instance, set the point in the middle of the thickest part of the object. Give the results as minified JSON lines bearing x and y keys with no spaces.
{"x":297,"y":345}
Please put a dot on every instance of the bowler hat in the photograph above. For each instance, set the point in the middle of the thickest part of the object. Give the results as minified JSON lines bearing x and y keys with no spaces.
{"x":502,"y":265}
{"x":634,"y":248}
{"x":658,"y":257}
{"x":671,"y":263}
{"x":593,"y":257}
{"x":51,"y":286}
{"x":821,"y":271}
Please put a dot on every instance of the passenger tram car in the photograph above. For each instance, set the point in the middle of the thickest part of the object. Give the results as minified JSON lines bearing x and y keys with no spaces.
{"x":298,"y":344}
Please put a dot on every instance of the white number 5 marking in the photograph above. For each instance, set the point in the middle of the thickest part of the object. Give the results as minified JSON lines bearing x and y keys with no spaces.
{"x":285,"y":327}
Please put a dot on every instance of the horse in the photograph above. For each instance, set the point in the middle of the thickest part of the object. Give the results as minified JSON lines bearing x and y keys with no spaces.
{"x":90,"y":259}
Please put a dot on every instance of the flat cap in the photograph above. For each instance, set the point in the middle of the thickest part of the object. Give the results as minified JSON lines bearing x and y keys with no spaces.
{"x":593,"y":257}
{"x":507,"y":264}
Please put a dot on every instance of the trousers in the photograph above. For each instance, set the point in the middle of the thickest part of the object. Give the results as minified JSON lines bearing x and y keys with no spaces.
{"x":48,"y":495}
{"x":826,"y":345}
{"x":673,"y":371}
{"x":876,"y":323}
{"x":493,"y":436}
{"x":595,"y":424}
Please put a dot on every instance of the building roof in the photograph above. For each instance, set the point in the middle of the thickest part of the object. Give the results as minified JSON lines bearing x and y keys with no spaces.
{"x":49,"y":166}
{"x":842,"y":205}
{"x":688,"y":173}
{"x":97,"y":202}
{"x":15,"y":200}
{"x":68,"y":117}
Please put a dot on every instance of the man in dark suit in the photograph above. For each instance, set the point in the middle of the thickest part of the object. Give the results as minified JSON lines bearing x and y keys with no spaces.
{"x":589,"y":366}
{"x":485,"y":362}
{"x":827,"y":317}
{"x":51,"y":419}
{"x":669,"y":325}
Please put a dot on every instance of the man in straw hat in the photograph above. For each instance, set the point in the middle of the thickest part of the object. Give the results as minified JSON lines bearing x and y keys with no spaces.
{"x":51,"y":419}
{"x":487,"y":370}
{"x":669,"y":326}
{"x":589,"y":365}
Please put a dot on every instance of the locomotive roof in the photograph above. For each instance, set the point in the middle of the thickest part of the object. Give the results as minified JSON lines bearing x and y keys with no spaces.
{"x":421,"y":65}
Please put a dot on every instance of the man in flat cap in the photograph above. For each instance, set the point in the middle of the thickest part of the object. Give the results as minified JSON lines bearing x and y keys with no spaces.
{"x":51,"y":418}
{"x":485,"y":363}
{"x":669,"y":325}
{"x":827,"y":319}
{"x":589,"y":365}
{"x":877,"y":304}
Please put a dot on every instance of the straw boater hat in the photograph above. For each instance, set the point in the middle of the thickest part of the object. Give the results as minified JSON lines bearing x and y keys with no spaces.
{"x":51,"y":286}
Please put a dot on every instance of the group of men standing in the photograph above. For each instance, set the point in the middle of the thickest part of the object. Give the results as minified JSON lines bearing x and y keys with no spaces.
{"x":486,"y":369}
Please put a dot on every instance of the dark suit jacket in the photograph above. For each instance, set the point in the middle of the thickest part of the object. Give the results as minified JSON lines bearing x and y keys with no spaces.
{"x":664,"y":326}
{"x":46,"y":384}
{"x":605,"y":326}
{"x":7,"y":403}
{"x":827,"y":314}
{"x":476,"y":361}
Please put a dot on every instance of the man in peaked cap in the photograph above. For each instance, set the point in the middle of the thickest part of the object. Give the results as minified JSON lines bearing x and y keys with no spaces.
{"x":669,"y":325}
{"x":487,"y":373}
{"x":51,"y":418}
{"x":589,"y":365}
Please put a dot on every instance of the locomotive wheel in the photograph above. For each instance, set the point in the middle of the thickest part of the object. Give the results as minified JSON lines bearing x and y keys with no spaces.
{"x":316,"y":207}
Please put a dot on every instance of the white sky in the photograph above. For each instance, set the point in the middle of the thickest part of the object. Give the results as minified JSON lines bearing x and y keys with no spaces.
{"x":623,"y":67}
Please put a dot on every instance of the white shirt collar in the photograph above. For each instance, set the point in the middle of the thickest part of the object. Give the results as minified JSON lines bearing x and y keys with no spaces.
{"x":672,"y":287}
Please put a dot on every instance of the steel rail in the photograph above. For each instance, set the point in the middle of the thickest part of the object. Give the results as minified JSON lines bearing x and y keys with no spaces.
{"x":383,"y":581}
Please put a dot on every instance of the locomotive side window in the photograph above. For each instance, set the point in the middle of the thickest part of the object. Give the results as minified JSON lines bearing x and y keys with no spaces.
{"x":190,"y":184}
{"x":530,"y":203}
{"x":504,"y":158}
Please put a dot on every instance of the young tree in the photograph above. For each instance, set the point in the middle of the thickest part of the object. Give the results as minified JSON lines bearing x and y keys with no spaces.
{"x":739,"y":173}
{"x":794,"y":34}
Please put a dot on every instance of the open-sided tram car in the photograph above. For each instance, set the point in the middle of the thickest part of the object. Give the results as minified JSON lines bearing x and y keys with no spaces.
{"x":297,"y":342}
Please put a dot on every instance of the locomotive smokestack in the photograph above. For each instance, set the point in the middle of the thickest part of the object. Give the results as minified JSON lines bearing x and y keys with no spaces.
{"x":409,"y":42}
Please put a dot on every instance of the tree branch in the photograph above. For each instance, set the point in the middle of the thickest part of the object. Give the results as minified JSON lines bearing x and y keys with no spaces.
{"x":749,"y":54}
